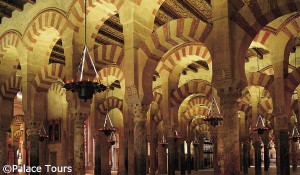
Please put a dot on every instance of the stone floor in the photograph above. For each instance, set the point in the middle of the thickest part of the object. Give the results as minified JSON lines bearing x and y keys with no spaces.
{"x":272,"y":171}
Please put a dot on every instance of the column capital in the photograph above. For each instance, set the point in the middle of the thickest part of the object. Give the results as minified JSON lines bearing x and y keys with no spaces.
{"x":79,"y":117}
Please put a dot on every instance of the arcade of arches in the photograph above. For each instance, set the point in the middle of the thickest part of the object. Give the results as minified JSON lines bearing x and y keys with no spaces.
{"x":164,"y":61}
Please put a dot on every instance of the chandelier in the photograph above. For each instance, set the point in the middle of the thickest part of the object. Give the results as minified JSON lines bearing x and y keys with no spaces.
{"x":260,"y":126}
{"x":43,"y":134}
{"x":163,"y":142}
{"x":112,"y":138}
{"x":106,"y":129}
{"x":176,"y":135}
{"x":213,"y":118}
{"x":196,"y":141}
{"x":84,"y":87}
{"x":295,"y":135}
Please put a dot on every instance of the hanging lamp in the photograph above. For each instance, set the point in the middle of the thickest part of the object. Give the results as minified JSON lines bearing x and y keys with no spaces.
{"x":84,"y":87}
{"x":176,"y":135}
{"x":196,"y":141}
{"x":295,"y":135}
{"x":43,"y":134}
{"x":212,"y":118}
{"x":107,"y":130}
{"x":112,"y":138}
{"x":163,"y":142}
{"x":260,"y":126}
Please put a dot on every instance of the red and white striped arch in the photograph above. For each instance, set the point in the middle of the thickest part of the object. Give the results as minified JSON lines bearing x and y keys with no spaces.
{"x":246,"y":109}
{"x":110,"y":103}
{"x":180,"y":53}
{"x":107,"y":54}
{"x":58,"y":89}
{"x":265,"y":106}
{"x":262,"y":13}
{"x":46,"y":19}
{"x":191,"y":113}
{"x":246,"y":97}
{"x":292,"y":81}
{"x":11,"y":87}
{"x":48,"y":75}
{"x":17,"y":120}
{"x":11,"y":38}
{"x":189,"y":88}
{"x":157,"y":97}
{"x":111,"y":71}
{"x":197,"y":122}
{"x":260,"y":79}
{"x":196,"y":101}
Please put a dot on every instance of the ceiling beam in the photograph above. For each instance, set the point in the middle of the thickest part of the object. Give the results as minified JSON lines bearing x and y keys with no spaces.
{"x":31,"y":1}
{"x":11,"y":5}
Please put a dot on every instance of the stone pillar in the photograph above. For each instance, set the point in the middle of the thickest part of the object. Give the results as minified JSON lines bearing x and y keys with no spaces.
{"x":79,"y":157}
{"x":34,"y":143}
{"x":140,"y":146}
{"x":97,"y":154}
{"x":162,"y":160}
{"x":245,"y":157}
{"x":201,"y":153}
{"x":153,"y":145}
{"x":257,"y":153}
{"x":130,"y":152}
{"x":228,"y":148}
{"x":182,"y":159}
{"x":189,"y":166}
{"x":284,"y":152}
{"x":171,"y":155}
{"x":105,"y":148}
{"x":3,"y":151}
{"x":121,"y":167}
{"x":196,"y":157}
{"x":294,"y":148}
{"x":265,"y":140}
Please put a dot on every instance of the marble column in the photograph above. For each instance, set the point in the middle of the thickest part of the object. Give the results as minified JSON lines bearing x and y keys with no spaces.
{"x":34,"y":143}
{"x":153,"y":145}
{"x":97,"y":154}
{"x":3,"y":149}
{"x":201,"y":154}
{"x":182,"y":159}
{"x":257,"y":153}
{"x":294,"y":148}
{"x":130,"y":152}
{"x":171,"y":155}
{"x":265,"y":140}
{"x":70,"y":144}
{"x":162,"y":160}
{"x":284,"y":152}
{"x":245,"y":157}
{"x":79,"y":157}
{"x":189,"y":162}
{"x":140,"y":146}
{"x":228,"y":148}
{"x":121,"y":167}
{"x":196,"y":157}
{"x":105,"y":148}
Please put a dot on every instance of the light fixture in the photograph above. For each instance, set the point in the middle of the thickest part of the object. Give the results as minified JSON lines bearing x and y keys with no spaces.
{"x":84,"y":87}
{"x":260,"y":126}
{"x":43,"y":134}
{"x":19,"y":95}
{"x":196,"y":141}
{"x":212,"y":117}
{"x":163,"y":142}
{"x":106,"y":129}
{"x":295,"y":135}
{"x":176,"y":135}
{"x":112,"y":138}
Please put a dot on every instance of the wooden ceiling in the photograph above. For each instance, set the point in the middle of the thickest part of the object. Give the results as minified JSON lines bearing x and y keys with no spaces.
{"x":111,"y":32}
{"x":8,"y":6}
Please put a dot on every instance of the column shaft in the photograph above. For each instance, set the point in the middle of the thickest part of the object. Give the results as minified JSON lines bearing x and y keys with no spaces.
{"x":266,"y":157}
{"x":189,"y":167}
{"x":245,"y":157}
{"x":140,"y":147}
{"x":284,"y":152}
{"x":121,"y":168}
{"x":153,"y":146}
{"x":182,"y":159}
{"x":97,"y":155}
{"x":79,"y":153}
{"x":257,"y":153}
{"x":294,"y":148}
{"x":162,"y":160}
{"x":3,"y":151}
{"x":171,"y":156}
